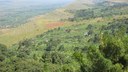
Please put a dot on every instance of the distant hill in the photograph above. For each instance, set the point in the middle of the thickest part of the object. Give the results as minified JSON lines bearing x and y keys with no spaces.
{"x":99,"y":1}
{"x":118,"y":0}
{"x":80,"y":4}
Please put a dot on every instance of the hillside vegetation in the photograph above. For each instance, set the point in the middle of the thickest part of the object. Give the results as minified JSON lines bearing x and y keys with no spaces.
{"x":96,"y":41}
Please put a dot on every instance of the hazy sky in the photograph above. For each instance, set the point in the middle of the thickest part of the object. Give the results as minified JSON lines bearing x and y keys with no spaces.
{"x":24,"y":3}
{"x":35,"y":1}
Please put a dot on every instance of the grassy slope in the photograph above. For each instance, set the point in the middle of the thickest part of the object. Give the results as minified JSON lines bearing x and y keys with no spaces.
{"x":36,"y":26}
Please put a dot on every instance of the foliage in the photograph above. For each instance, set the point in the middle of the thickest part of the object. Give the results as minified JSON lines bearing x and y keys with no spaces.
{"x":78,"y":48}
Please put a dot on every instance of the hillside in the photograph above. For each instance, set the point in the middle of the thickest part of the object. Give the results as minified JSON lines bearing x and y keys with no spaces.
{"x":93,"y":39}
{"x":33,"y":27}
{"x":39,"y":24}
{"x":119,"y":1}
{"x":69,"y":49}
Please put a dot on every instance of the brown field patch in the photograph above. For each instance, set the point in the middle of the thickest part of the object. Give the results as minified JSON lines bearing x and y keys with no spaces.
{"x":54,"y":25}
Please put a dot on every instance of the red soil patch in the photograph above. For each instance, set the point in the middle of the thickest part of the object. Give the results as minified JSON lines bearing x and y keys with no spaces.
{"x":54,"y":25}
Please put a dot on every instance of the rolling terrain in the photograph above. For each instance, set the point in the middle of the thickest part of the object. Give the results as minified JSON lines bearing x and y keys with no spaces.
{"x":92,"y":38}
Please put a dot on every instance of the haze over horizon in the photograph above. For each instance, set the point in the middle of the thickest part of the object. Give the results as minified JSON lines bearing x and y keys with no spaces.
{"x":26,"y":3}
{"x":11,"y":10}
